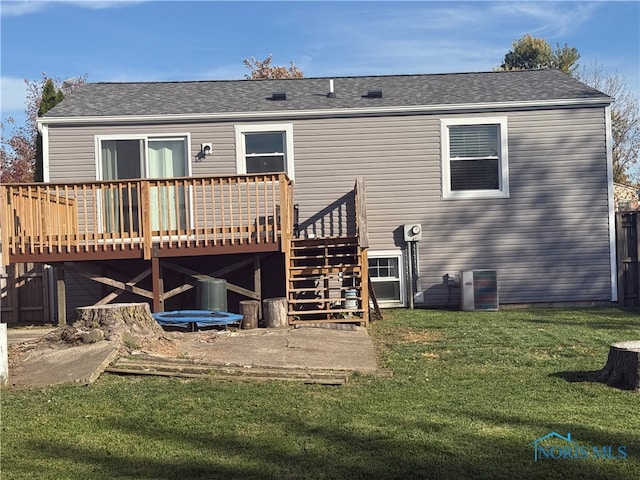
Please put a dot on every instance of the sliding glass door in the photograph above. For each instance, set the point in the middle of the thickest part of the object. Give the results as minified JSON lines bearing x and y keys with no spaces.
{"x":121,"y":159}
{"x":168,"y":205}
{"x":146,"y":157}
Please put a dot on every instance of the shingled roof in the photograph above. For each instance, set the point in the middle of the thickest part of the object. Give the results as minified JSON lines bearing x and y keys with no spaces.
{"x":310,"y":94}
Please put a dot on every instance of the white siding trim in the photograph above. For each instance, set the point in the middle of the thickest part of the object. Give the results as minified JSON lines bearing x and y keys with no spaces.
{"x":240,"y":130}
{"x":44,"y":131}
{"x":612,"y":217}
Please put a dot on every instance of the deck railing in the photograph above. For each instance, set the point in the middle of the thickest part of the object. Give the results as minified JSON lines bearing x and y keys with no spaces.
{"x":144,"y":214}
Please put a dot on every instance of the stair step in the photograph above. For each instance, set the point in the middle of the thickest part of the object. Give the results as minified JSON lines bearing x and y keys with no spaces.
{"x":332,"y":320}
{"x":332,"y":311}
{"x":299,"y":301}
{"x":326,"y":241}
{"x":327,"y":276}
{"x":332,"y":255}
{"x":318,"y":289}
{"x":327,"y":270}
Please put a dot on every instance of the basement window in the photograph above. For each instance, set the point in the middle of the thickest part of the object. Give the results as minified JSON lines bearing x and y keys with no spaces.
{"x":387,"y":279}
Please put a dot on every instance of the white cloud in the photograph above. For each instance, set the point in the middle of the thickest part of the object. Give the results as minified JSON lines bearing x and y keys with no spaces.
{"x":22,"y":7}
{"x":554,"y":19}
{"x":13,"y":93}
{"x":15,"y":8}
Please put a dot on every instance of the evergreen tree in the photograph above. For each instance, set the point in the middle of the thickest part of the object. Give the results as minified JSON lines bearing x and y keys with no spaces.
{"x":51,"y":96}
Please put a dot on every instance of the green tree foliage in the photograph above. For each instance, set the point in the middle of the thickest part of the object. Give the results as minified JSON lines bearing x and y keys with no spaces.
{"x":51,"y":96}
{"x":565,"y":59}
{"x":530,"y":52}
{"x":21,"y":145}
{"x":262,"y":69}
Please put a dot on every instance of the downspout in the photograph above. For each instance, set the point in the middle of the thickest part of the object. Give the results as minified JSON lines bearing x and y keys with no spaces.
{"x":612,"y":217}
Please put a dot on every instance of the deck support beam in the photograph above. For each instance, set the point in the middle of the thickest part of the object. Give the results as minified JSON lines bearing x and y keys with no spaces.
{"x":257,"y":281}
{"x":157,"y":285}
{"x":62,"y":297}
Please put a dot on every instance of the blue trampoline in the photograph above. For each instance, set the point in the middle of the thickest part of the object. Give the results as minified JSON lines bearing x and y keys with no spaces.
{"x":196,"y":318}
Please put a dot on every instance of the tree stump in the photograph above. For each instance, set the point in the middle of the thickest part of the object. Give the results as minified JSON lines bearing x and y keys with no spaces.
{"x":119,"y":321}
{"x":274,"y":311}
{"x":623,"y":366}
{"x":249,"y":310}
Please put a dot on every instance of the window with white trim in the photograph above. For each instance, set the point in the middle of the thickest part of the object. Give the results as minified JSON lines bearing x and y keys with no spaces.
{"x":264,"y":149}
{"x":475,"y":161}
{"x":387,"y":279}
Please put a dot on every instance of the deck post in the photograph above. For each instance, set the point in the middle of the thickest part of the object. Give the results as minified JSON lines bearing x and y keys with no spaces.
{"x":4,"y":226}
{"x":156,"y":280}
{"x":145,"y":207}
{"x":12,"y":287}
{"x":62,"y":297}
{"x":257,"y":281}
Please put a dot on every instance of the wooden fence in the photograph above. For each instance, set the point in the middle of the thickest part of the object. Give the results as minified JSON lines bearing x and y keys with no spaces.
{"x":628,"y":261}
{"x":24,"y":294}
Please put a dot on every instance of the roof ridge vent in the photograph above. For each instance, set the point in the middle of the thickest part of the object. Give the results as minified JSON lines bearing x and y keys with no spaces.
{"x":278,"y":96}
{"x":373,"y":94}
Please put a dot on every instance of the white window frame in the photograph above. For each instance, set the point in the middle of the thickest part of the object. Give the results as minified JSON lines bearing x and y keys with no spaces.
{"x":401,"y":276}
{"x":144,"y":168}
{"x":241,"y":130}
{"x":503,"y":158}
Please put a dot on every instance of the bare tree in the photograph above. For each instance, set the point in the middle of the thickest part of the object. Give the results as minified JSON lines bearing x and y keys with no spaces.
{"x":262,"y":69}
{"x":625,"y":119}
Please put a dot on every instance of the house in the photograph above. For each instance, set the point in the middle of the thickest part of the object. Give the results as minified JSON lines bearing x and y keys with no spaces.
{"x":506,"y":171}
{"x":625,"y":197}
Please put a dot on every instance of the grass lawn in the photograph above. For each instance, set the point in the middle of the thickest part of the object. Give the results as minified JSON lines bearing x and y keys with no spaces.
{"x":470,"y":391}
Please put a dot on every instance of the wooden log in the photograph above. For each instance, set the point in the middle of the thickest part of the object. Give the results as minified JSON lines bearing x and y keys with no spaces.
{"x":249,"y":310}
{"x":623,"y":366}
{"x":274,"y":311}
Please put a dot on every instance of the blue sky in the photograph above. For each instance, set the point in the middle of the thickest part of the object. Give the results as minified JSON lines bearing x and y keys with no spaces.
{"x":164,"y":40}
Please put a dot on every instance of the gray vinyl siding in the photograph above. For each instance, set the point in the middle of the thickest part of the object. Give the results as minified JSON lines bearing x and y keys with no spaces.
{"x":549,"y":240}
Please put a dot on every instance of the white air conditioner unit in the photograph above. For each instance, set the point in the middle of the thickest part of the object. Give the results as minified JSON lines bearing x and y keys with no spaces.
{"x":478,"y":290}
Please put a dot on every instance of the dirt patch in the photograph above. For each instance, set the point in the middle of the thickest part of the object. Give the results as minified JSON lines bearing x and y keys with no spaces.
{"x":130,"y":327}
{"x":410,"y":335}
{"x":431,"y":355}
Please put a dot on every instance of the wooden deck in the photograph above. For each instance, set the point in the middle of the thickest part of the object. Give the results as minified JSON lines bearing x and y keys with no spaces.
{"x":144,"y":218}
{"x":76,"y":227}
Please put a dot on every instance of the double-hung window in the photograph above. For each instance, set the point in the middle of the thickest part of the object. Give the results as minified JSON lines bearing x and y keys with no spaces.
{"x":387,"y":279}
{"x":264,"y":149}
{"x":474,"y":158}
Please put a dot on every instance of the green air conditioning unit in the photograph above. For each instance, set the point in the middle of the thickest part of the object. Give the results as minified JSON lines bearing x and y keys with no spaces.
{"x":478,"y":290}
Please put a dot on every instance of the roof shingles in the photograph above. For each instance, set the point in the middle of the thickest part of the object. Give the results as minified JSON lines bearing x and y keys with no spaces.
{"x":242,"y":96}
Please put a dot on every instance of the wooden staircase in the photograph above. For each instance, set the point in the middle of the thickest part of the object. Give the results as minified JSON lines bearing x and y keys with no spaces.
{"x":320,"y":272}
